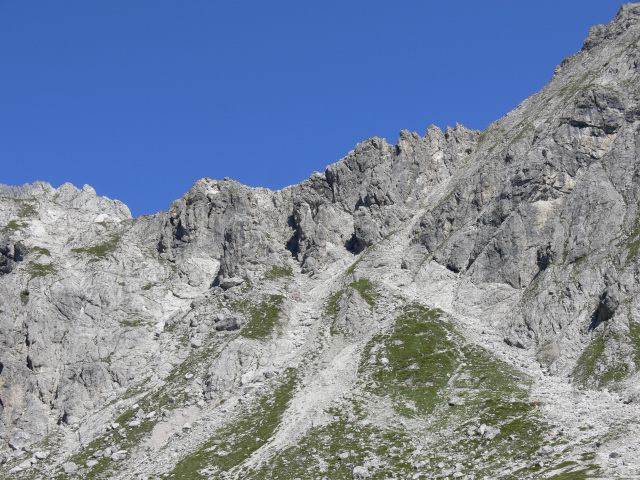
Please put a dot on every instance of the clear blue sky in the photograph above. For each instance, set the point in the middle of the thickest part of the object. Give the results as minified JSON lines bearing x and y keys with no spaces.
{"x":141,"y":98}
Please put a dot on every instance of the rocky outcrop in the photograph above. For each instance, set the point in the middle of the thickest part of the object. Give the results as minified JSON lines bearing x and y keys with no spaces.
{"x":69,"y":196}
{"x":355,"y":203}
{"x":10,"y":254}
{"x":166,"y":329}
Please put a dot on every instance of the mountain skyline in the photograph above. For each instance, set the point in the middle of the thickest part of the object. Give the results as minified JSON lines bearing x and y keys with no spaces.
{"x":139,"y":103}
{"x":462,"y":304}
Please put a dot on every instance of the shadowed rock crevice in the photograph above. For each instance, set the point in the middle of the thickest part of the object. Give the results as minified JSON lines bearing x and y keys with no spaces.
{"x":293,"y":244}
{"x":10,"y":254}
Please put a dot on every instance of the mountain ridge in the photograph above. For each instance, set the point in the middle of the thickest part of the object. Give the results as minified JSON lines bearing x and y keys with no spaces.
{"x":460,"y":304}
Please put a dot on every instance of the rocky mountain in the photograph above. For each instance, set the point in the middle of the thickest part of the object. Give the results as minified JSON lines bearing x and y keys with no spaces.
{"x":463,"y":304}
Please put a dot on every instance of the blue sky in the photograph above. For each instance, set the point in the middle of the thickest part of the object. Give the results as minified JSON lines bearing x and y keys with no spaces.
{"x":139,"y":99}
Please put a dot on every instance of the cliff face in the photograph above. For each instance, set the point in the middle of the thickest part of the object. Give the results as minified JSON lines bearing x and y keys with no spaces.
{"x":462,"y":303}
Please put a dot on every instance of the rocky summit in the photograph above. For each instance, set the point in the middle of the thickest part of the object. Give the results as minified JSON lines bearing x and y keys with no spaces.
{"x":461,"y":304}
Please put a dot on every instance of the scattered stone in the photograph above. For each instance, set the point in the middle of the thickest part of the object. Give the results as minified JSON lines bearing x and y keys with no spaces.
{"x":491,"y":432}
{"x":119,"y":455}
{"x":40,"y":455}
{"x":455,"y":401}
{"x":360,"y":472}
{"x":69,"y":467}
{"x":545,"y":451}
{"x":227,"y":283}
{"x":420,"y":465}
{"x":230,"y":324}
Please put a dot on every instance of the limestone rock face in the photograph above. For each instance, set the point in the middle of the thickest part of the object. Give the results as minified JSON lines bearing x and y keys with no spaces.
{"x":417,"y":307}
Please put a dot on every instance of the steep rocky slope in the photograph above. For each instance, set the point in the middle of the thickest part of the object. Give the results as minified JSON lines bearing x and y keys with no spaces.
{"x":459,"y":305}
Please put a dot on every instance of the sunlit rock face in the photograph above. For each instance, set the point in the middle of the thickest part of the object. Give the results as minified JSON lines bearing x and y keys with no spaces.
{"x":463,"y":304}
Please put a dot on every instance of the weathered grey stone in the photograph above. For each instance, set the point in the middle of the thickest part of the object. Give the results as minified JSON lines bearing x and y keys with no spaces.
{"x":226,"y":283}
{"x":526,"y":235}
{"x":40,"y":455}
{"x":70,"y":467}
{"x":545,"y":451}
{"x":360,"y":472}
{"x":230,"y":324}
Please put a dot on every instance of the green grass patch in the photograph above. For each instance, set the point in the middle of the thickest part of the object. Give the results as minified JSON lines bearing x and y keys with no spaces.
{"x":41,"y":251}
{"x":196,"y":362}
{"x":148,"y":286}
{"x":634,"y":338}
{"x":132,"y":323}
{"x":276,"y":272}
{"x":263,"y":318}
{"x":132,"y":438}
{"x":366,"y":290}
{"x":333,"y":303}
{"x":26,"y":207}
{"x":496,"y":395}
{"x":13,"y":226}
{"x":633,"y":242}
{"x":236,"y":441}
{"x":429,"y":363}
{"x":101,"y":250}
{"x":594,"y":369}
{"x":24,"y":297}
{"x":421,"y":360}
{"x":364,"y":287}
{"x":592,"y":471}
{"x":589,"y":360}
{"x":316,"y":454}
{"x":40,"y":269}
